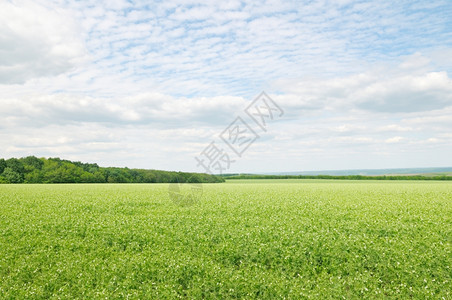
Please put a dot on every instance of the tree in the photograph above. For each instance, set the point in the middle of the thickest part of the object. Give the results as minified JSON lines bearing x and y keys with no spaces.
{"x":194,"y":179}
{"x":33,"y":162}
{"x":2,"y":165}
{"x":87,"y":177}
{"x":116,"y":175}
{"x":99,"y":177}
{"x":16,"y":165}
{"x":55,"y":170}
{"x":149,"y":177}
{"x":34,"y":176}
{"x":12,"y":176}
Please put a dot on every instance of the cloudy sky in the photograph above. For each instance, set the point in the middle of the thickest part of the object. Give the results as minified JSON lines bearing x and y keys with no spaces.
{"x":362,"y":84}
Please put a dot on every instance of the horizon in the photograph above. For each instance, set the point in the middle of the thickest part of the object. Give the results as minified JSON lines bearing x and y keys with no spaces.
{"x":349,"y":85}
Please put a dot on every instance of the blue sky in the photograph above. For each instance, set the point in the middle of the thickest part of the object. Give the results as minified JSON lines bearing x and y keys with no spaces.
{"x":363,"y":84}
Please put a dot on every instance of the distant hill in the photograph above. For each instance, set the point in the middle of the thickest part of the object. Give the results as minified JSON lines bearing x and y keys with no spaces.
{"x":55,"y":170}
{"x":373,"y":172}
{"x":364,"y":174}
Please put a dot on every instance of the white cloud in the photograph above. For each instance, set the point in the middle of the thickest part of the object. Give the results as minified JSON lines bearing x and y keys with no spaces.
{"x":150,"y":108}
{"x":151,"y":84}
{"x":36,"y":41}
{"x":384,"y":90}
{"x":396,"y":139}
{"x":406,"y":93}
{"x":394,"y":128}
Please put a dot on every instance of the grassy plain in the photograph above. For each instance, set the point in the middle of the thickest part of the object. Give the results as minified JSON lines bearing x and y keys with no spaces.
{"x":242,"y":239}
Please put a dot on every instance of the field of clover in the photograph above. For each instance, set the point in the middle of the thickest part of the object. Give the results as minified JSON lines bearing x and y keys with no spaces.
{"x":242,"y":239}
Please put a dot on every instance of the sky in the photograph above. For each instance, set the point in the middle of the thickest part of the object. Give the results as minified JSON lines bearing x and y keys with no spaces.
{"x":176,"y":85}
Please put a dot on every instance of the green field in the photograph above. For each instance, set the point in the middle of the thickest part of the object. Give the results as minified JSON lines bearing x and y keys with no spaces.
{"x":242,"y":239}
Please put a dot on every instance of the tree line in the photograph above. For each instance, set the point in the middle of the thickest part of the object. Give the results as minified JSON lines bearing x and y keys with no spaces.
{"x":344,"y":177}
{"x":31,"y":169}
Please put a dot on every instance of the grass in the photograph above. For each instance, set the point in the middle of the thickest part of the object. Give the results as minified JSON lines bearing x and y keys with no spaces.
{"x":243,"y":239}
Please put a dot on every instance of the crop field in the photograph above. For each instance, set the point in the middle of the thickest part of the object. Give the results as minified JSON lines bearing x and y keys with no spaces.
{"x":265,"y":239}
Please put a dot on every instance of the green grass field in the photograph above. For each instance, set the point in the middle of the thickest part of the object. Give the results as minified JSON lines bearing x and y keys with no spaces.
{"x":242,"y":239}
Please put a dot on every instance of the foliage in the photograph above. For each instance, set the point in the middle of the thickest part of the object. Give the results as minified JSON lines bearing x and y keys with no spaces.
{"x":15,"y":164}
{"x":2,"y":165}
{"x":11,"y":176}
{"x":55,"y":170}
{"x":263,"y":239}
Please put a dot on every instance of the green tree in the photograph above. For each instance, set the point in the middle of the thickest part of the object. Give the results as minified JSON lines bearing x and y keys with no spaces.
{"x":87,"y":177}
{"x":194,"y":179}
{"x":99,"y":177}
{"x":55,"y":170}
{"x":16,"y":165}
{"x":34,"y":176}
{"x":33,"y":162}
{"x":2,"y":165}
{"x":12,"y":176}
{"x":116,"y":175}
{"x":149,"y":176}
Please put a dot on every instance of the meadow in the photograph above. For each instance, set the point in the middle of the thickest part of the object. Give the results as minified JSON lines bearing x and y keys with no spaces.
{"x":266,"y":239}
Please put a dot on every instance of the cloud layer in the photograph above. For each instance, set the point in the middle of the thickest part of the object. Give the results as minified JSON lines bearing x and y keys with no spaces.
{"x":150,"y":84}
{"x":36,"y":41}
